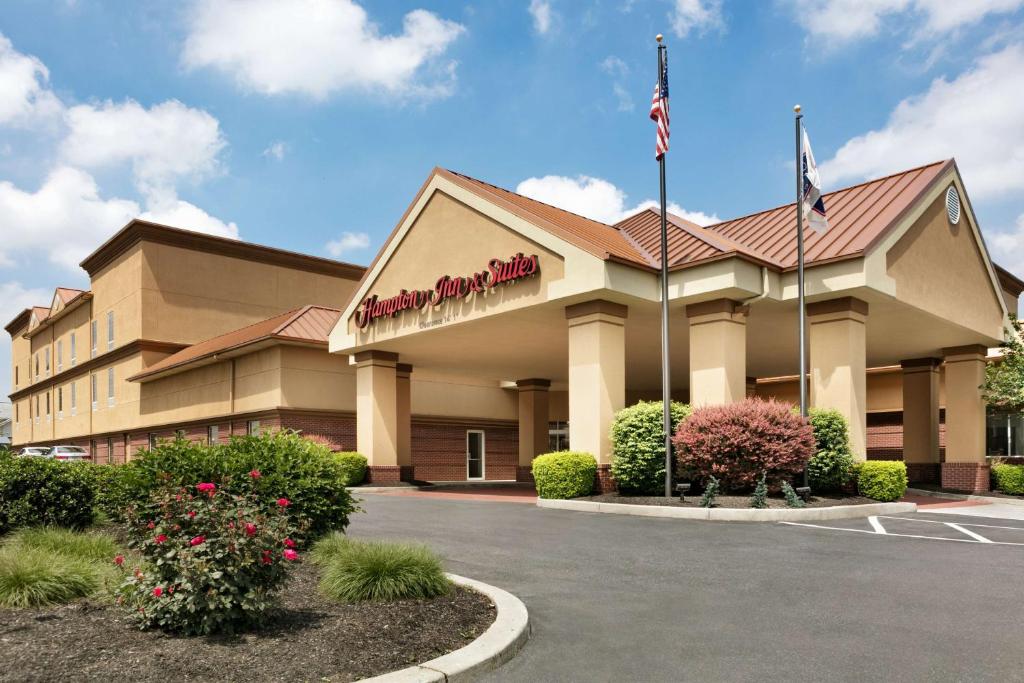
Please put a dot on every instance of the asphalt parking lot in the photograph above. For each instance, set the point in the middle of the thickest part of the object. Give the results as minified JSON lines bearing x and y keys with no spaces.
{"x":615,"y":598}
{"x":953,"y":526}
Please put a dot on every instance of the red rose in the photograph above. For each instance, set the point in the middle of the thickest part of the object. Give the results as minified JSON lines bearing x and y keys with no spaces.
{"x":151,"y":526}
{"x":205,"y":486}
{"x":231,"y":525}
{"x":158,"y":591}
{"x":160,"y":539}
{"x":197,"y":540}
{"x":289,"y":543}
{"x":266,"y":559}
{"x":250,"y":529}
{"x":290,"y":555}
{"x":283,"y":502}
{"x":255,"y":474}
{"x":191,"y":513}
{"x":119,"y":560}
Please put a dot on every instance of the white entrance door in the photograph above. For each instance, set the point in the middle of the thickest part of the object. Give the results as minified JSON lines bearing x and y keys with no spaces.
{"x":474,"y":454}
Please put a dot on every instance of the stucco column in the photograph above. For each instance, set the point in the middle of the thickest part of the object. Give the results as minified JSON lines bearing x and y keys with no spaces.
{"x":718,"y":352}
{"x":921,"y":419}
{"x":965,"y":468}
{"x":597,"y":378}
{"x":533,"y":424}
{"x":838,"y":363}
{"x":377,"y":414}
{"x":403,"y":418}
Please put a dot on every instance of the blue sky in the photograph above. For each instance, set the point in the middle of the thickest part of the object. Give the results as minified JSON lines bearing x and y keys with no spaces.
{"x":309,"y":125}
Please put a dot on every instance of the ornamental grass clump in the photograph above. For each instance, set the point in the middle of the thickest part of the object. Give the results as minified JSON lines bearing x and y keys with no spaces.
{"x":89,"y":546}
{"x":358,"y":571}
{"x":212,"y":560}
{"x":738,"y":442}
{"x":35,"y":578}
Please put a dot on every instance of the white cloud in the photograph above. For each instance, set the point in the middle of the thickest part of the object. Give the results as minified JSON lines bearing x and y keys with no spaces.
{"x":840,"y":21}
{"x":14,"y":298}
{"x":348,"y":242}
{"x":318,"y":47}
{"x":276,"y":151}
{"x":169,"y":210}
{"x":540,"y":10}
{"x":700,"y":16}
{"x":164,"y":144}
{"x":25,"y":96}
{"x":596,"y":198}
{"x":977,"y":117}
{"x":618,"y":70}
{"x":1008,"y":247}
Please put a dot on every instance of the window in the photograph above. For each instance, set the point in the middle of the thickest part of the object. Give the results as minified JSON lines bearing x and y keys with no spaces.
{"x":37,"y":365}
{"x":127,"y":446}
{"x":16,"y":368}
{"x":110,"y":449}
{"x":47,"y":405}
{"x":152,"y":440}
{"x":558,"y":436}
{"x":94,"y":335}
{"x":60,"y":403}
{"x":179,"y":434}
{"x":1005,"y":434}
{"x":212,"y":434}
{"x":93,"y":392}
{"x":17,"y":412}
{"x":110,"y":386}
{"x":72,"y":348}
{"x":46,"y":355}
{"x":60,"y":354}
{"x":94,"y":450}
{"x":110,"y":330}
{"x":74,"y":402}
{"x":252,"y":427}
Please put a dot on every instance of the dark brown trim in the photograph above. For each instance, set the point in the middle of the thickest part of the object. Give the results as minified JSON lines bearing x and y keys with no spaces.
{"x":139,"y":230}
{"x":710,"y":307}
{"x":462,"y":421}
{"x":373,"y":355}
{"x":19,"y":321}
{"x":968,"y":350}
{"x":842,"y":304}
{"x":533,"y":384}
{"x":1008,"y":281}
{"x":403,"y":369}
{"x":596,"y":306}
{"x":915,"y":363}
{"x":84,"y":367}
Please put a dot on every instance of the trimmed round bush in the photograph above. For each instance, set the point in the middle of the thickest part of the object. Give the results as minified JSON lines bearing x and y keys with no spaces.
{"x":1009,"y":478}
{"x":565,"y":474}
{"x":43,"y":492}
{"x":30,"y":577}
{"x":354,"y":467}
{"x":830,"y":466}
{"x":738,"y":442}
{"x":357,"y":571}
{"x":638,"y":444}
{"x":882,"y":480}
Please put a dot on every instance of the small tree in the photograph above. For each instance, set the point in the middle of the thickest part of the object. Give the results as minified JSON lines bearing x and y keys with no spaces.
{"x":760,"y":497}
{"x":1004,"y":380}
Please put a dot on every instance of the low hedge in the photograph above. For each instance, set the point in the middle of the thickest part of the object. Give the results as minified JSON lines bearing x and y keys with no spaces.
{"x":353,"y":466}
{"x":1009,"y":479}
{"x":883,"y":480}
{"x":565,"y":474}
{"x":40,"y":491}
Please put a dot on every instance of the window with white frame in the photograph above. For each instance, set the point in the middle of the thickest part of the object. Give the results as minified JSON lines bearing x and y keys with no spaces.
{"x":46,"y":355}
{"x":74,"y":402}
{"x":60,"y":354}
{"x":110,"y":330}
{"x":110,"y":386}
{"x":16,"y":379}
{"x":72,"y":344}
{"x":212,"y":434}
{"x":558,"y":436}
{"x":252,"y":427}
{"x":152,"y":440}
{"x":93,"y":337}
{"x":60,"y":403}
{"x":36,"y":357}
{"x":110,"y":449}
{"x":93,"y":392}
{"x":47,"y":405}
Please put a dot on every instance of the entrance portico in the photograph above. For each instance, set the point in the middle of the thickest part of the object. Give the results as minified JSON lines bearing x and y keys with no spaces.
{"x":517,"y":316}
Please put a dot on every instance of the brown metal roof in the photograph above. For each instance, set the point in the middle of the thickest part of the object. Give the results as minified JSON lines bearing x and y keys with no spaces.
{"x":68,"y":294}
{"x":309,"y":324}
{"x":41,"y":313}
{"x":857,"y":217}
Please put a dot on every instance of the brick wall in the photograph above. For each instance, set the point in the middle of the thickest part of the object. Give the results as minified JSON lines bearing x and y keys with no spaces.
{"x":339,"y":430}
{"x":885,"y":442}
{"x":439,"y":451}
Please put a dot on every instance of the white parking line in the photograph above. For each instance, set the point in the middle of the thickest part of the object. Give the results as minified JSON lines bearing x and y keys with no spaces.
{"x":876,"y":525}
{"x":892,"y":535}
{"x":935,"y":521}
{"x":978,"y":537}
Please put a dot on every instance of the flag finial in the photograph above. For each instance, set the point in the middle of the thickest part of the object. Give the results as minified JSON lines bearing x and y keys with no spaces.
{"x":797,"y":109}
{"x":659,"y":37}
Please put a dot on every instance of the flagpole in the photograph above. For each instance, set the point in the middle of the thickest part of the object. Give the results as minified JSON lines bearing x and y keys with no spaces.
{"x":666,"y":377}
{"x":800,"y":266}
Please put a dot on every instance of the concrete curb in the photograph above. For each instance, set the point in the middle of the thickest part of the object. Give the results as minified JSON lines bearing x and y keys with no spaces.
{"x":499,"y":643}
{"x":733,"y":514}
{"x":967,"y":496}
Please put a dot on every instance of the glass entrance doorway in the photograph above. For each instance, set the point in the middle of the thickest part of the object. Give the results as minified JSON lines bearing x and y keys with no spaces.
{"x":474,"y":454}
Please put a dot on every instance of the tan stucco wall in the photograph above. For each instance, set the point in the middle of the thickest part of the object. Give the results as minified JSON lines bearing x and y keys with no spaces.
{"x":449,"y":238}
{"x":316,"y":379}
{"x":202,"y":392}
{"x":117,"y":287}
{"x":258,"y":380}
{"x":938,"y":268}
{"x":884,"y":390}
{"x":77,"y":322}
{"x":189,"y":296}
{"x":21,"y":355}
{"x":440,"y":395}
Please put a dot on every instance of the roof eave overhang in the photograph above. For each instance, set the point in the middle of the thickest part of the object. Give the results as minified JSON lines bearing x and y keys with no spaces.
{"x":54,"y":317}
{"x":242,"y":349}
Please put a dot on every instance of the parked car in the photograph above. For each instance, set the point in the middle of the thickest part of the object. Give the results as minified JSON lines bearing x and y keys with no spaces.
{"x":68,"y":453}
{"x":33,"y":452}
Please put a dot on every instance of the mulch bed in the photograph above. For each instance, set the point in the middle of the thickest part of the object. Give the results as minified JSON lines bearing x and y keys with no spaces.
{"x":725,"y":501}
{"x":309,"y":639}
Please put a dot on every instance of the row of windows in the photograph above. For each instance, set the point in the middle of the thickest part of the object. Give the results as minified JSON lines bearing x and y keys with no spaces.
{"x":72,"y":396}
{"x":73,"y":359}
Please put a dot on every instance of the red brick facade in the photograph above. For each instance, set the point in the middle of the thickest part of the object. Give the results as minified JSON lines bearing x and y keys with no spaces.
{"x":603,"y":482}
{"x":885,"y":442}
{"x":439,"y":450}
{"x":969,"y":477}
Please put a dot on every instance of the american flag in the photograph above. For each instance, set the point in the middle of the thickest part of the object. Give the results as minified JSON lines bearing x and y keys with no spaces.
{"x":659,"y":110}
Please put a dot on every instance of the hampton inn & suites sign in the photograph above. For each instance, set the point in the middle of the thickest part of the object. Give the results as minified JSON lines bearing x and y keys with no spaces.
{"x":498,"y":272}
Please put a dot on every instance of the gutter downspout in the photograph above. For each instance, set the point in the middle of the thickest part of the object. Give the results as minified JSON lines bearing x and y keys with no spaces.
{"x":764,"y":289}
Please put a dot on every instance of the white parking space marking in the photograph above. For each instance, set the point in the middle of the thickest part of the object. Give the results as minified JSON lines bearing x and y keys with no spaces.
{"x":888,"y":534}
{"x":978,"y":537}
{"x":876,"y":525}
{"x":935,"y":521}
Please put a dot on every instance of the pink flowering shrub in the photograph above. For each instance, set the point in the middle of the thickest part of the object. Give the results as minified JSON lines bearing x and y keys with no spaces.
{"x":735,"y":443}
{"x":212,"y":560}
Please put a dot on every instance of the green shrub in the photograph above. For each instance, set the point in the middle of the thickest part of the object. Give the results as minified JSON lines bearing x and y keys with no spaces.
{"x":32,"y":578}
{"x":565,"y":474}
{"x":792,"y":499}
{"x":356,"y":571}
{"x":829,"y":467}
{"x":213,"y":560}
{"x":884,"y":480}
{"x":638,"y":446}
{"x":711,"y":489}
{"x":760,"y":498}
{"x":287,"y":465}
{"x":1009,"y":478}
{"x":353,"y":465}
{"x":39,"y":491}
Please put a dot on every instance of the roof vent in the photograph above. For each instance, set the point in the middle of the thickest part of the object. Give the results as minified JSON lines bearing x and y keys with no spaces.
{"x":953,"y":205}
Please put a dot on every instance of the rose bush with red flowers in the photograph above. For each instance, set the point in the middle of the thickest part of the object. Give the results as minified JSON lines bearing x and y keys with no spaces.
{"x":212,"y":560}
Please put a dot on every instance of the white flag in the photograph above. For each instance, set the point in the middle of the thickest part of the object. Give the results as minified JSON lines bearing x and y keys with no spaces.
{"x":813,"y":205}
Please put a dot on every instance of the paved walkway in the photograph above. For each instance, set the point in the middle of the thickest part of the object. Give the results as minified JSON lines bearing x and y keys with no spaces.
{"x":615,"y":598}
{"x":504,"y":494}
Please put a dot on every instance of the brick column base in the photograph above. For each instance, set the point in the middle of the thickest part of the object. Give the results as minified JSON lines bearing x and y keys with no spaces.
{"x":383,"y":475}
{"x":603,"y":482}
{"x":924,"y":473}
{"x":524,"y":474}
{"x":408,"y":472}
{"x":970,"y":477}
